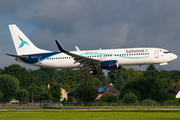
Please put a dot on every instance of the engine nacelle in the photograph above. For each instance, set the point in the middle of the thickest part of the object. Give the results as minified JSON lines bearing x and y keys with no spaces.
{"x":110,"y":65}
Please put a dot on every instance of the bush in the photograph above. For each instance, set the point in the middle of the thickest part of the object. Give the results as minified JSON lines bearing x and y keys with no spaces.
{"x":172,"y":102}
{"x":129,"y":98}
{"x":171,"y":97}
{"x":96,"y":100}
{"x":108,"y":97}
{"x":149,"y":102}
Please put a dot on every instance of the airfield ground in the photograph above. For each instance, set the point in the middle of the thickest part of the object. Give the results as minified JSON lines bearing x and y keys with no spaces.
{"x":90,"y":115}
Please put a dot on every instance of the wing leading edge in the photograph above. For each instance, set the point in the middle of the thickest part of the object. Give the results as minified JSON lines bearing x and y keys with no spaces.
{"x":84,"y":61}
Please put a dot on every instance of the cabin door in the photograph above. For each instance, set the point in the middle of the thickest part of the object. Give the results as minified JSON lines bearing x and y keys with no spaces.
{"x":156,"y":53}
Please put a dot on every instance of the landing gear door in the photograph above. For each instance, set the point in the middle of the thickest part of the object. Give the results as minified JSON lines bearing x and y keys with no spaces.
{"x":156,"y":53}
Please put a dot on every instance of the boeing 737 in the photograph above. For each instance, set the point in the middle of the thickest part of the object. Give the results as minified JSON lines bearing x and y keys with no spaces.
{"x":110,"y":59}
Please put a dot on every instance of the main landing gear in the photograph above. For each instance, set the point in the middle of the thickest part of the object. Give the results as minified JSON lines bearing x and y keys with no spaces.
{"x":93,"y":71}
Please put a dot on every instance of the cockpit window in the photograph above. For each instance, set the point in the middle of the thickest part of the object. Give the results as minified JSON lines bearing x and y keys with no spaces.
{"x":166,"y":52}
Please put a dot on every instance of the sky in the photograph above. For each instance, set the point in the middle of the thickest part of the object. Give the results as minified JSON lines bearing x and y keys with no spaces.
{"x":92,"y":24}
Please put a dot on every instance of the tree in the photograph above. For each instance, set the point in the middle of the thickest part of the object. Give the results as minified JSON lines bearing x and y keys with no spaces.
{"x":151,"y":72}
{"x":120,"y":83}
{"x":96,"y":82}
{"x":1,"y":70}
{"x":64,"y":100}
{"x":70,"y":99}
{"x":113,"y":75}
{"x":108,"y":97}
{"x":8,"y":85}
{"x":41,"y":77}
{"x":129,"y":98}
{"x":20,"y":73}
{"x":148,"y":87}
{"x":100,"y":75}
{"x":175,"y":75}
{"x":22,"y":95}
{"x":163,"y":96}
{"x":55,"y":91}
{"x":87,"y":92}
{"x":173,"y":84}
{"x":133,"y":74}
{"x":45,"y":96}
{"x":37,"y":92}
{"x":178,"y":83}
{"x":32,"y":89}
{"x":1,"y":96}
{"x":66,"y":87}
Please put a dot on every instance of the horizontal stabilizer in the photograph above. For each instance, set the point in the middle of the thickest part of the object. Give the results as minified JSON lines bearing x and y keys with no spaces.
{"x":18,"y":56}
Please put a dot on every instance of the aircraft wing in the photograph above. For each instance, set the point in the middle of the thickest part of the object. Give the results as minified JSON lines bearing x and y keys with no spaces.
{"x":18,"y":56}
{"x":84,"y":61}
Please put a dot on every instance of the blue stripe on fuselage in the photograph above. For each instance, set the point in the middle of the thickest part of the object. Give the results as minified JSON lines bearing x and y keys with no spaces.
{"x":36,"y":58}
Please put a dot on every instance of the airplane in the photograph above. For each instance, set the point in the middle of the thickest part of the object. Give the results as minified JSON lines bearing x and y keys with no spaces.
{"x":110,"y":59}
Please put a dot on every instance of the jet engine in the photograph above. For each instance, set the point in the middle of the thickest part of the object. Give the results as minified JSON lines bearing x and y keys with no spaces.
{"x":110,"y":65}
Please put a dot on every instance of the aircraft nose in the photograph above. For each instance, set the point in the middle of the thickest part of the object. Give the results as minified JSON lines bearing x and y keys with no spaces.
{"x":174,"y":56}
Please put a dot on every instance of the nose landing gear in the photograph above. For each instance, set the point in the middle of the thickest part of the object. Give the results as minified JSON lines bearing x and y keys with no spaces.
{"x":160,"y":69}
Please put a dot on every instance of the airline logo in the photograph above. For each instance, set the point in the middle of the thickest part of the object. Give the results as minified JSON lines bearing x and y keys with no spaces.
{"x":146,"y":51}
{"x":22,"y":43}
{"x":136,"y":51}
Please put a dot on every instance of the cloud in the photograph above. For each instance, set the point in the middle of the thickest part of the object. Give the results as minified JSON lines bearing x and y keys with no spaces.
{"x":93,"y":24}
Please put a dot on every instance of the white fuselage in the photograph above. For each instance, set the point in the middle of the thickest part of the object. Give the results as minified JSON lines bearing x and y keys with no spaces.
{"x":125,"y":57}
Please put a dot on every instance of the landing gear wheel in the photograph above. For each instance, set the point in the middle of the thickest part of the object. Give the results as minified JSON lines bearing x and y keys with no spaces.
{"x":93,"y":71}
{"x":160,"y":69}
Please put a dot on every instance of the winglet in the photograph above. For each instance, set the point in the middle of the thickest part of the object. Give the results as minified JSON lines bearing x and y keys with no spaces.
{"x":61,"y":49}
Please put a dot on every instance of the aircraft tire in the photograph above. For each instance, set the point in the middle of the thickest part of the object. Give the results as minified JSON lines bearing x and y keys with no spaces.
{"x":92,"y":72}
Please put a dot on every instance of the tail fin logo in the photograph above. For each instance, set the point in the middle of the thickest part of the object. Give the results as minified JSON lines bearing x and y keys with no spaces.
{"x":22,"y":43}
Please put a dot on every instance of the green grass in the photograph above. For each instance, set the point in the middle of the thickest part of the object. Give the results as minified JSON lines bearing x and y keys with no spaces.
{"x":89,"y":115}
{"x":103,"y":107}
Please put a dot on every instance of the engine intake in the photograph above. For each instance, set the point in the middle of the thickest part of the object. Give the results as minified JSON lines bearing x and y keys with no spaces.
{"x":110,"y":65}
